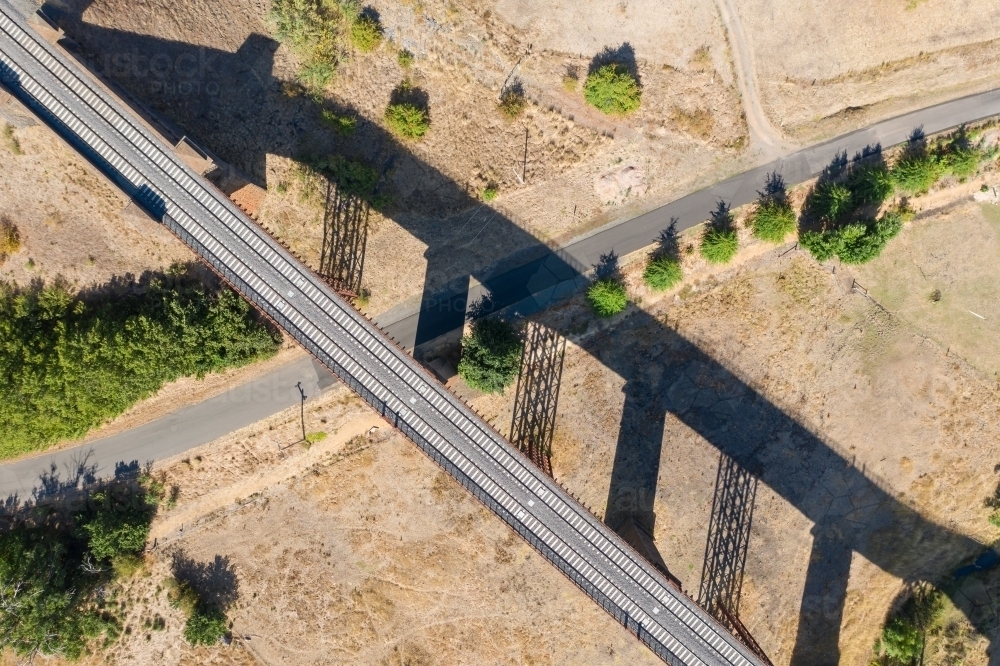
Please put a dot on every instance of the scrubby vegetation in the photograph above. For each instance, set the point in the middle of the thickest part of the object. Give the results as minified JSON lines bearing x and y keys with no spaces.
{"x":343,"y":125}
{"x":404,"y":58}
{"x":720,"y":240}
{"x":904,"y":634}
{"x":313,"y":29}
{"x":366,"y":32}
{"x":607,"y":296}
{"x":69,"y":364}
{"x":407,"y":114}
{"x":10,"y":140}
{"x":10,"y":238}
{"x":56,"y":565}
{"x":612,"y":89}
{"x":773,"y":218}
{"x":512,"y":102}
{"x":491,"y":355}
{"x":206,"y":623}
{"x":490,"y":192}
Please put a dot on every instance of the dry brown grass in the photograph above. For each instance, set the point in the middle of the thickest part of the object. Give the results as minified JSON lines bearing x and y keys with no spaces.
{"x":10,"y":238}
{"x":698,"y":123}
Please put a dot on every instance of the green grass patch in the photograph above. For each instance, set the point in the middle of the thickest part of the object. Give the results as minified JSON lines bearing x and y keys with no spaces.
{"x":613,"y":90}
{"x":10,"y":140}
{"x":662,"y":273}
{"x":490,"y":193}
{"x":69,"y":365}
{"x":315,"y":437}
{"x":404,"y":58}
{"x":491,"y":355}
{"x":607,"y":297}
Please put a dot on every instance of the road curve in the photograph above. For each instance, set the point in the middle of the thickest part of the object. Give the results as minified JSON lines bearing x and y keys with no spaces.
{"x":447,"y":430}
{"x":763,"y":136}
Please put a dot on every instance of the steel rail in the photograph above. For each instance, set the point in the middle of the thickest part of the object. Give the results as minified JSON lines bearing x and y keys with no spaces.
{"x":394,"y":360}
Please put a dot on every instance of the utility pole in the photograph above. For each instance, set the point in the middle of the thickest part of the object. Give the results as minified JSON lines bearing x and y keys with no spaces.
{"x":302,"y":408}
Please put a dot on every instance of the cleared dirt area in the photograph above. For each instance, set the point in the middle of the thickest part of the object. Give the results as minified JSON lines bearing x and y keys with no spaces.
{"x":826,"y":68}
{"x":580,"y":168}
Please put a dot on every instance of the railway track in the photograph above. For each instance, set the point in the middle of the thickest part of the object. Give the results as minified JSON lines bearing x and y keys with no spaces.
{"x":447,"y":430}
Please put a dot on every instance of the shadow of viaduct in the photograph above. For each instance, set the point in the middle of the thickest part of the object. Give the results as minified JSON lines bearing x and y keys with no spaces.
{"x":232,"y":103}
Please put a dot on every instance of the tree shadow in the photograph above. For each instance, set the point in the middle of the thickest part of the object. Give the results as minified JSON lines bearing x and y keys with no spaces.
{"x":536,"y":398}
{"x":215,"y":582}
{"x":721,"y":218}
{"x":852,"y":511}
{"x":623,"y":55}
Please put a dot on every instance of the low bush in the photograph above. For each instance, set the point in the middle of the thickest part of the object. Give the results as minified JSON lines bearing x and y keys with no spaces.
{"x":491,"y":355}
{"x":607,"y":297}
{"x":10,"y":238}
{"x":407,"y":120}
{"x":366,"y":33}
{"x":342,"y":125}
{"x":512,"y":102}
{"x":11,"y":141}
{"x":490,"y":193}
{"x":662,"y":273}
{"x":719,"y":246}
{"x":205,"y":625}
{"x":902,"y":638}
{"x":772,"y":221}
{"x":613,"y":90}
{"x":404,"y":58}
{"x":312,"y":29}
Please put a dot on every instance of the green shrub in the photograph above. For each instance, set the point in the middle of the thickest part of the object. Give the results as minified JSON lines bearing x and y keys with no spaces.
{"x":719,"y":246}
{"x":916,"y":173}
{"x":315,"y":437}
{"x":613,"y":90}
{"x":69,"y":365}
{"x":772,"y":221}
{"x":404,"y":58}
{"x":181,"y":595}
{"x":901,"y":640}
{"x":343,"y":126}
{"x":312,"y":30}
{"x":662,"y":273}
{"x":491,"y":355}
{"x":407,"y":120}
{"x":490,"y":193}
{"x":11,"y":141}
{"x":126,"y":565}
{"x":205,"y":626}
{"x":512,"y":102}
{"x":870,"y":184}
{"x":607,"y":297}
{"x":964,"y":161}
{"x":830,"y":202}
{"x":366,"y":33}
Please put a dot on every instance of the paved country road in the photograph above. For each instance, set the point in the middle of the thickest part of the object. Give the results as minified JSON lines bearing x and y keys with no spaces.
{"x":176,"y":432}
{"x":535,"y":285}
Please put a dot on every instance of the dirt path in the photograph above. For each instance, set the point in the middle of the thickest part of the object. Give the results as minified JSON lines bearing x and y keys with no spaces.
{"x":264,"y":478}
{"x":763,"y":137}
